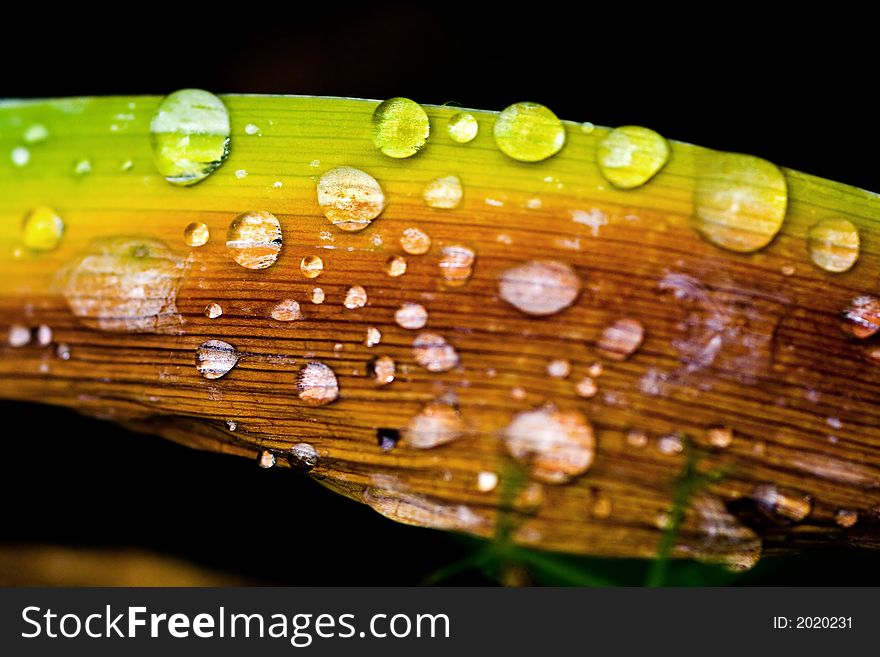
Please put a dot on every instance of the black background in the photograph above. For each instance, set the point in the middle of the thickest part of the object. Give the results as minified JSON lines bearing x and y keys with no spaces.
{"x":799,"y":90}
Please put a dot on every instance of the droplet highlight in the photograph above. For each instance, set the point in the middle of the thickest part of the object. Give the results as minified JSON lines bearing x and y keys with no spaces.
{"x":540,"y":287}
{"x":400,"y":127}
{"x":350,"y":198}
{"x":254,"y":239}
{"x":630,"y":156}
{"x":528,"y":132}
{"x":215,"y":358}
{"x":833,"y":245}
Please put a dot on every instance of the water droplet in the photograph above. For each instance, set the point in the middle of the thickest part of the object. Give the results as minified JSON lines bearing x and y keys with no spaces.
{"x":636,"y":438}
{"x":20,"y":156}
{"x":833,"y":244}
{"x":190,"y":136}
{"x":356,"y":297}
{"x":788,"y":270}
{"x":559,"y":368}
{"x":19,"y":335}
{"x":266,"y":459}
{"x":721,"y":437}
{"x":251,"y":129}
{"x":631,"y":155}
{"x":596,"y":370}
{"x":862,"y":318}
{"x":411,"y":316}
{"x":740,"y":201}
{"x":778,"y":503}
{"x":82,"y":167}
{"x":434,"y":353}
{"x":415,"y":241}
{"x":400,"y":127}
{"x":621,"y":339}
{"x":587,"y":128}
{"x":663,"y":521}
{"x":215,"y":358}
{"x":540,"y":287}
{"x":35,"y":133}
{"x":241,"y":173}
{"x":303,"y":456}
{"x":436,"y":424}
{"x":196,"y":234}
{"x":387,"y":439}
{"x":601,"y":507}
{"x":317,"y":384}
{"x":444,"y":193}
{"x":232,"y":425}
{"x":487,"y":481}
{"x":457,"y":265}
{"x":462,"y":127}
{"x":317,"y":295}
{"x":586,"y":387}
{"x":42,"y":229}
{"x":62,"y":351}
{"x":846,"y":517}
{"x":254,"y":239}
{"x":383,"y":369}
{"x":126,"y":165}
{"x":374,"y":337}
{"x":555,"y":445}
{"x":671,"y":444}
{"x":213,"y":311}
{"x":311,"y":266}
{"x":395,"y":266}
{"x":286,"y":310}
{"x":529,"y":132}
{"x":350,"y":198}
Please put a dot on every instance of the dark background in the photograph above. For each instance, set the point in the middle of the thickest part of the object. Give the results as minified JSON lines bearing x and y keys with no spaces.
{"x":799,"y":90}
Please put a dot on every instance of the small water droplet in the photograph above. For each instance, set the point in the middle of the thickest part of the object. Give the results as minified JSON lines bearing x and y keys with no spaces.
{"x":486,"y":481}
{"x":387,"y":439}
{"x":833,"y":244}
{"x":254,"y":239}
{"x":400,"y":127}
{"x":631,"y":155}
{"x":721,"y":437}
{"x":586,"y":387}
{"x":196,"y":234}
{"x":862,"y":318}
{"x":35,"y":133}
{"x":636,"y":438}
{"x":395,"y":266}
{"x":411,"y":316}
{"x":126,"y":165}
{"x":232,"y":425}
{"x":277,"y":184}
{"x":303,"y":456}
{"x":587,"y":128}
{"x":739,"y":202}
{"x":82,"y":167}
{"x":436,"y":424}
{"x":621,"y":339}
{"x":596,"y":370}
{"x":671,"y":444}
{"x":456,"y":265}
{"x":20,"y":156}
{"x":190,"y":136}
{"x":286,"y":310}
{"x":311,"y":266}
{"x":601,"y":507}
{"x":213,"y":311}
{"x":846,"y":517}
{"x":415,"y":241}
{"x":350,"y":198}
{"x":317,"y":384}
{"x":555,"y":445}
{"x":241,"y":173}
{"x":784,"y":504}
{"x":788,"y":270}
{"x":19,"y":335}
{"x":434,"y":353}
{"x":540,"y":287}
{"x":42,"y":229}
{"x":356,"y":297}
{"x":251,"y":129}
{"x":444,"y":193}
{"x":62,"y":351}
{"x":266,"y":459}
{"x":462,"y":127}
{"x":374,"y":337}
{"x":559,"y":368}
{"x":518,"y":393}
{"x":317,"y":295}
{"x":215,"y":358}
{"x":663,"y":521}
{"x":383,"y":370}
{"x":528,"y":132}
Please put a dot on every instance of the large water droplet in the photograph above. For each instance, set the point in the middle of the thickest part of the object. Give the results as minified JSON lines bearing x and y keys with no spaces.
{"x":436,"y":424}
{"x":782,"y":504}
{"x":411,"y":316}
{"x":462,"y":127}
{"x":555,"y":445}
{"x":740,"y":201}
{"x":540,"y":287}
{"x":196,"y":234}
{"x":215,"y":358}
{"x":350,"y":198}
{"x":42,"y":229}
{"x":415,"y":241}
{"x":434,"y":353}
{"x":621,"y":339}
{"x":311,"y":266}
{"x":862,"y":318}
{"x":631,"y":155}
{"x":303,"y":456}
{"x":254,"y":239}
{"x":190,"y":136}
{"x":833,"y":244}
{"x":286,"y":310}
{"x":317,"y":385}
{"x":529,"y":132}
{"x":400,"y":127}
{"x":444,"y":193}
